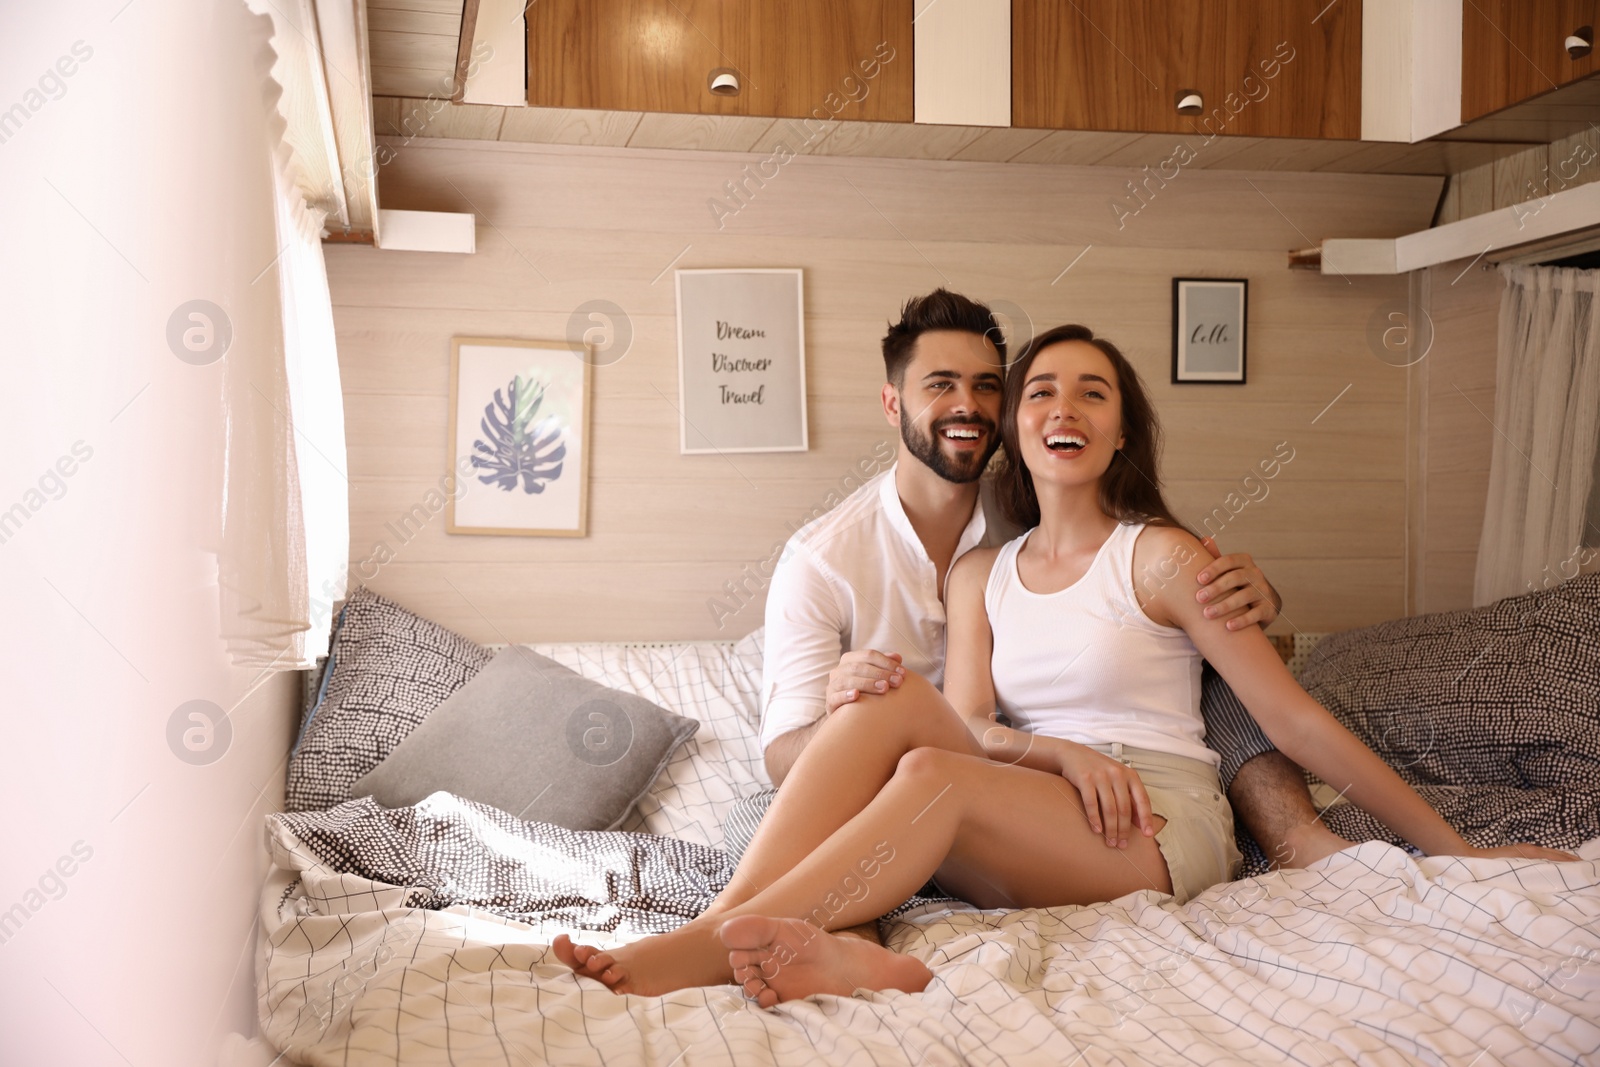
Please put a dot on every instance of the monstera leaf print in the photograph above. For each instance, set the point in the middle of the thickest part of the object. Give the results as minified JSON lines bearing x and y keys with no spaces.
{"x":513,"y":445}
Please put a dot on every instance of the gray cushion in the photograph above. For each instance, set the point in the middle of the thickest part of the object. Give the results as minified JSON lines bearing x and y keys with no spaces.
{"x":532,"y":738}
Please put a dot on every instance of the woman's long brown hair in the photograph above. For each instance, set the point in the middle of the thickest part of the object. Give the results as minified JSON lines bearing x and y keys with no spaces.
{"x":1130,"y":489}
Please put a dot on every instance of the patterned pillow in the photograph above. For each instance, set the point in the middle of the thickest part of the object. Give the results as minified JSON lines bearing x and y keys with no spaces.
{"x":1492,"y":714}
{"x":1507,"y":694}
{"x":390,"y":668}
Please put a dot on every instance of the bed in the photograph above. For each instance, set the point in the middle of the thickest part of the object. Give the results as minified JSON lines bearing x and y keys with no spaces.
{"x":419,"y":935}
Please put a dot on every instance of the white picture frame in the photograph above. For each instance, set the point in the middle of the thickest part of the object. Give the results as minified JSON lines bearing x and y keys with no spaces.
{"x":741,"y":361}
{"x":519,"y":437}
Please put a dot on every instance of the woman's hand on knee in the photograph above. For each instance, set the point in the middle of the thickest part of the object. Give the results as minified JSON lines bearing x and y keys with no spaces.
{"x":864,"y":671}
{"x":1114,"y":799}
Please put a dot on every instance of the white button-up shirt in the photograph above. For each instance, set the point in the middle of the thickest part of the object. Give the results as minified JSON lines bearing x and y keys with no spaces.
{"x":855,"y":578}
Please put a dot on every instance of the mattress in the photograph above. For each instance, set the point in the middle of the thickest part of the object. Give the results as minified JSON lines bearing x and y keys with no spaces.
{"x":1371,"y":956}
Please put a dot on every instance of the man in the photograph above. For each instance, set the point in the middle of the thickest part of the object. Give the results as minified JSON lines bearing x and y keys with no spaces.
{"x":869,"y":576}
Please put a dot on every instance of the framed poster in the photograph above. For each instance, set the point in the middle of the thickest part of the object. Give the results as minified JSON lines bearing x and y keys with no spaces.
{"x":519,"y":437}
{"x":1208,"y":329}
{"x":741,"y":361}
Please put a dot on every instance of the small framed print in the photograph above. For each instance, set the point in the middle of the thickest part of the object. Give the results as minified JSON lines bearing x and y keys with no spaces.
{"x":1208,"y":329}
{"x":519,"y":437}
{"x":741,"y":361}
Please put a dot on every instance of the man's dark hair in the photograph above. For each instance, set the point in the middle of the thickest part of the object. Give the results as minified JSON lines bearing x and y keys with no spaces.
{"x":939,"y":310}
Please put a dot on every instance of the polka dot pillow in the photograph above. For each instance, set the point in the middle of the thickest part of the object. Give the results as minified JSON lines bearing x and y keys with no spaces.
{"x":387,"y":669}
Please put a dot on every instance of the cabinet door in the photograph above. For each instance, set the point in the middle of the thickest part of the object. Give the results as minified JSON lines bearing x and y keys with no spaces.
{"x":795,"y":58}
{"x":1295,"y":68}
{"x":1512,"y":50}
{"x":1273,"y":68}
{"x":1114,"y":64}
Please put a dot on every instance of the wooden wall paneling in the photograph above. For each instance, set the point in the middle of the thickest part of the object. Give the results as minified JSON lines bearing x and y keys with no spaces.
{"x":422,"y":51}
{"x":1285,"y":518}
{"x":1457,"y":379}
{"x":605,"y":224}
{"x":1450,"y":202}
{"x":1523,"y":176}
{"x":731,"y":134}
{"x":897,"y":140}
{"x":1477,"y":190}
{"x":548,"y":125}
{"x":1273,"y":153}
{"x":438,"y":118}
{"x":413,"y":46}
{"x":1087,"y":147}
{"x":1315,"y":355}
{"x":818,"y":197}
{"x":1109,"y":65}
{"x":1000,"y":145}
{"x":656,"y":55}
{"x":628,"y":601}
{"x":1518,"y":178}
{"x":1317,"y":92}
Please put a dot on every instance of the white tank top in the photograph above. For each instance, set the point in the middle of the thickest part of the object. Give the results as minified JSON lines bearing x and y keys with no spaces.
{"x":1087,"y":664}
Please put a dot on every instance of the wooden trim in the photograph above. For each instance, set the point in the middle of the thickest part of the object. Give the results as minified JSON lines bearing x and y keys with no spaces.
{"x":962,"y":74}
{"x":469,"y":30}
{"x":452,"y":232}
{"x":1410,"y":69}
{"x":1566,"y":212}
{"x":342,"y":40}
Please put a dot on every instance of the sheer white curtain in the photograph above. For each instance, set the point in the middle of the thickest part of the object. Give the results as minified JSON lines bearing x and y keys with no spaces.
{"x":1546,"y":424}
{"x":286,"y":527}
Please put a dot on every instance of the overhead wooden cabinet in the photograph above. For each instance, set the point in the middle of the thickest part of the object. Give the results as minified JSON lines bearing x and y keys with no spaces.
{"x":1265,"y":68}
{"x":794,"y":58}
{"x":1512,"y":50}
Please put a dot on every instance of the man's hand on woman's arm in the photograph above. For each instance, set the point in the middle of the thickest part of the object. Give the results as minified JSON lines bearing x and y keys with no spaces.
{"x":1235,"y":590}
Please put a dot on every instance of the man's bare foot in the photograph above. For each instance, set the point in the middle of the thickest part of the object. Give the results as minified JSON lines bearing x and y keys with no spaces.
{"x":787,"y":959}
{"x":1306,"y":844}
{"x":688,"y":956}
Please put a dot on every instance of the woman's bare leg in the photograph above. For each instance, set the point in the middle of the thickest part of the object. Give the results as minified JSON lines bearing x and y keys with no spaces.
{"x":837,"y":775}
{"x":1000,"y":836}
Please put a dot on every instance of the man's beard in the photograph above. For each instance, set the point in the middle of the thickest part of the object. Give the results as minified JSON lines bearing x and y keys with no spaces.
{"x":962,"y":468}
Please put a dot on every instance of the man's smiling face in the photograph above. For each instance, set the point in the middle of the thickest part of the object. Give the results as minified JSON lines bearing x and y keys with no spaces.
{"x":949,"y":403}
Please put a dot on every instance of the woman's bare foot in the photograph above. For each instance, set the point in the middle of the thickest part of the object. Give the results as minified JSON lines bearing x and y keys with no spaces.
{"x":786,"y":959}
{"x":1306,"y":844}
{"x":688,"y":956}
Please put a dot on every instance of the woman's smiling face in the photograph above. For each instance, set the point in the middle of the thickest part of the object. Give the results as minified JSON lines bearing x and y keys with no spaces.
{"x":1069,"y":414}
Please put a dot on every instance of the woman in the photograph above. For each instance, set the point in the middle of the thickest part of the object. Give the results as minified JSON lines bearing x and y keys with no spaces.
{"x":1083,"y":632}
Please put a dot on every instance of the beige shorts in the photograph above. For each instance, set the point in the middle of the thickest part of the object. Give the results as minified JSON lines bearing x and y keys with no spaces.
{"x":1197,"y":841}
